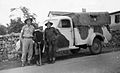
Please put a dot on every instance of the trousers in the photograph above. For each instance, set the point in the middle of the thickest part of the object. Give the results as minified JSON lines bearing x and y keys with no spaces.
{"x":27,"y":48}
{"x":51,"y":50}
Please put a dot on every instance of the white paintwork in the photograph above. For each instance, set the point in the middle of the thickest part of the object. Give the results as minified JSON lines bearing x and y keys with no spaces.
{"x":70,"y":34}
{"x":78,"y":39}
{"x":112,"y":19}
{"x":67,"y":48}
{"x":106,"y":34}
{"x":67,"y":32}
{"x":91,"y":38}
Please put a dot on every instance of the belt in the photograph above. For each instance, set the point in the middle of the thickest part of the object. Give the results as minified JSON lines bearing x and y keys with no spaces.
{"x":28,"y":37}
{"x":38,"y":42}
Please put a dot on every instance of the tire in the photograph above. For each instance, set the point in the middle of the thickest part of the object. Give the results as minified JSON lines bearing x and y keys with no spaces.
{"x":96,"y":47}
{"x":75,"y":51}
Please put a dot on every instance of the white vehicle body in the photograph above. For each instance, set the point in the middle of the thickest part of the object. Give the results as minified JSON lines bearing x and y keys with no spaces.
{"x":72,"y":34}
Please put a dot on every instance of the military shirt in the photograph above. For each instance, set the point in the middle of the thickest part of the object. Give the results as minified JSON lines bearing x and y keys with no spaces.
{"x":27,"y":31}
{"x":50,"y":33}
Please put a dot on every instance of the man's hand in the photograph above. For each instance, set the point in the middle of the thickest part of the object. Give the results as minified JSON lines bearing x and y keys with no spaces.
{"x":21,"y":38}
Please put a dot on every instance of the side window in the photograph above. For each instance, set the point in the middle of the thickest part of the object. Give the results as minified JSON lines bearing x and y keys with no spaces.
{"x":65,"y":23}
{"x":117,"y":18}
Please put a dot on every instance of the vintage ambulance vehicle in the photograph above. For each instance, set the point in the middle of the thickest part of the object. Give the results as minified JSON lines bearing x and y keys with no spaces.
{"x":81,"y":30}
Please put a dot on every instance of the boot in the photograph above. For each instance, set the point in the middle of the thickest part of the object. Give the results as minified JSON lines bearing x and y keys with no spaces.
{"x":29,"y":62}
{"x":23,"y":63}
{"x":37,"y":60}
{"x":48,"y":60}
{"x":37,"y":63}
{"x":53,"y":60}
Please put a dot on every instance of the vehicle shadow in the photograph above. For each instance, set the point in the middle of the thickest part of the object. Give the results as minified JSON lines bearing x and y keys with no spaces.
{"x":86,"y":53}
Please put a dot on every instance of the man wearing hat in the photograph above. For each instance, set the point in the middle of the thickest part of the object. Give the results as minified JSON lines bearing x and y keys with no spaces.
{"x":50,"y":35}
{"x":27,"y":41}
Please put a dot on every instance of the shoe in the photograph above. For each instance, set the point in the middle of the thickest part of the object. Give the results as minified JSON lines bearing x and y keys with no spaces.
{"x":23,"y":64}
{"x":28,"y":62}
{"x":37,"y":63}
{"x":49,"y":61}
{"x":53,"y":60}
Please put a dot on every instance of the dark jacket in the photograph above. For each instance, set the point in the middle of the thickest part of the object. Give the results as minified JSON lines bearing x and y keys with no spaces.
{"x":38,"y":36}
{"x":50,"y":34}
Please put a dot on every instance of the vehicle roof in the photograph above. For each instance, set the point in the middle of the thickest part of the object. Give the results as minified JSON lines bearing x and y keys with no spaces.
{"x":58,"y":17}
{"x":85,"y":18}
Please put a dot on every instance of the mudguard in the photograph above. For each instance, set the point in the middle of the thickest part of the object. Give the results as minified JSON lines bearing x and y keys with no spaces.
{"x":90,"y":41}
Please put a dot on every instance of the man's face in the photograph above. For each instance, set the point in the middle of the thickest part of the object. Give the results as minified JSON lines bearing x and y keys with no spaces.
{"x":48,"y":25}
{"x":41,"y":28}
{"x":29,"y":22}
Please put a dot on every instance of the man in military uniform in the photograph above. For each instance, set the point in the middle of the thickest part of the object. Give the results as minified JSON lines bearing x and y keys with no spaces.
{"x":38,"y":38}
{"x":27,"y":41}
{"x":50,"y":35}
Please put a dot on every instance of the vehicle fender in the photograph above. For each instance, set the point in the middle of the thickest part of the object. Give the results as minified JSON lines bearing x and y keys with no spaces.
{"x":94,"y":35}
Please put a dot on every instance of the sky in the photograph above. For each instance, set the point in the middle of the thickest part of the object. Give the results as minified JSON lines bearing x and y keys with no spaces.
{"x":42,"y":7}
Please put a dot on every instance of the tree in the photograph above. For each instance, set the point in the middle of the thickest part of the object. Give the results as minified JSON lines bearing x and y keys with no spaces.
{"x":16,"y":25}
{"x":3,"y":30}
{"x":25,"y":12}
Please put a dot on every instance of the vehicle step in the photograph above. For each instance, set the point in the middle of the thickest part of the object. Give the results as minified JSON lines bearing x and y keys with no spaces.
{"x":67,"y":48}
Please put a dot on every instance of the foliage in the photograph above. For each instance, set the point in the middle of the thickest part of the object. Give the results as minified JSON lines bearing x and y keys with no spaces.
{"x":26,"y":12}
{"x":3,"y":30}
{"x":16,"y":25}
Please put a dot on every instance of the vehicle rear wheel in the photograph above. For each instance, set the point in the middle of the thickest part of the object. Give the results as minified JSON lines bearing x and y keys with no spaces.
{"x":96,"y":47}
{"x":75,"y":51}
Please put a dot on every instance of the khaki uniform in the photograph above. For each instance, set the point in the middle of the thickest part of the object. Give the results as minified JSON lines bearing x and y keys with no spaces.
{"x":27,"y":42}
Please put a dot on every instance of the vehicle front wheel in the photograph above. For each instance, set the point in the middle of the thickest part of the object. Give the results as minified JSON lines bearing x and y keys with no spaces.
{"x":96,"y":47}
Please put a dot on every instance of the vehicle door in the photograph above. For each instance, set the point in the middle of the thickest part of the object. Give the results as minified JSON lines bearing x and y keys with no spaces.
{"x":65,"y":28}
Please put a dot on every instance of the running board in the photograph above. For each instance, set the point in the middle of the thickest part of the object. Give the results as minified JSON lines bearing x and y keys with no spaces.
{"x":67,"y":48}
